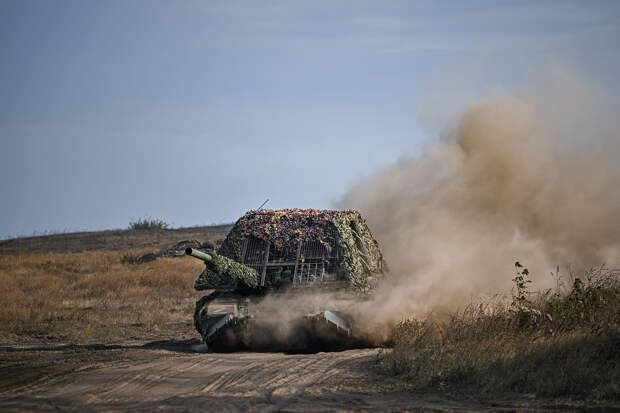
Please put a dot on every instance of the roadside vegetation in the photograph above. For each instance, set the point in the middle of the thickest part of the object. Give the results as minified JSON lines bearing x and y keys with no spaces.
{"x":95,"y":297}
{"x":559,"y":343}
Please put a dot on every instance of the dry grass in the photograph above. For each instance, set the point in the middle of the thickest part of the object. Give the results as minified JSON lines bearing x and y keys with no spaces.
{"x":113,"y":240}
{"x":562,"y":343}
{"x":94,"y":297}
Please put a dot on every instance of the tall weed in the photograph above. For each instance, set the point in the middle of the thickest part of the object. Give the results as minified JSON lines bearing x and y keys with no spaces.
{"x":554,"y":343}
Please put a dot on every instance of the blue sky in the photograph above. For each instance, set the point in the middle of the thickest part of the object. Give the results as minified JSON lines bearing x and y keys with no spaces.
{"x":196,"y":111}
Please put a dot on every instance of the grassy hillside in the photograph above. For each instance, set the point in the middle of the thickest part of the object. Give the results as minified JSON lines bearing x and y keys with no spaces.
{"x":113,"y":240}
{"x":81,"y":288}
{"x":93,"y":297}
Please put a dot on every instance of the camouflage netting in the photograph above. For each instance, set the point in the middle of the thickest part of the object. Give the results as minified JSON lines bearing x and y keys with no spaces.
{"x":361,"y":258}
{"x":220,"y":270}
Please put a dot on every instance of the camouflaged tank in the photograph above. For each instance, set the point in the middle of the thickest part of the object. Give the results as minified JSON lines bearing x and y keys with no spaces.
{"x":268,"y":280}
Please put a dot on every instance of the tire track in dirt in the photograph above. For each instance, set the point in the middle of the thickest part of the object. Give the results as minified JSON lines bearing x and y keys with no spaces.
{"x":240,"y":382}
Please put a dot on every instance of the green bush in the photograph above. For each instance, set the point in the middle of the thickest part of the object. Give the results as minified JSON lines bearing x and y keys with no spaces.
{"x":148,"y":223}
{"x":130,"y":259}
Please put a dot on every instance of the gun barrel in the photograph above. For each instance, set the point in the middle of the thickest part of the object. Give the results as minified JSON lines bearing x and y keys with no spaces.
{"x":198,"y":254}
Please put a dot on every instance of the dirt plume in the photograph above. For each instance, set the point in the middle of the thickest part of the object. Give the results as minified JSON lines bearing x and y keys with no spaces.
{"x":530,"y":176}
{"x":291,"y":321}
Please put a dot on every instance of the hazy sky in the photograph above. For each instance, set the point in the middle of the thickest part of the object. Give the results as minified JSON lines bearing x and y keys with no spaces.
{"x":196,"y":111}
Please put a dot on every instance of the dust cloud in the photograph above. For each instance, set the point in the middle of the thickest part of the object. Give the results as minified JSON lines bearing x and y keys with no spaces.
{"x":289,"y":321}
{"x":531,"y":176}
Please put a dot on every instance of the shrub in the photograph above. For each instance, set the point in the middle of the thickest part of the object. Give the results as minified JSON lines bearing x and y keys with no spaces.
{"x":148,"y":223}
{"x":130,"y":259}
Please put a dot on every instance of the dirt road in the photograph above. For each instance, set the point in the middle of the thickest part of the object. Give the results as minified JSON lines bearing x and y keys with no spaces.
{"x":178,"y":380}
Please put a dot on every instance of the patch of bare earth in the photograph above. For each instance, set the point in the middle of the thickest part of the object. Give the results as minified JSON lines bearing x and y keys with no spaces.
{"x":173,"y":379}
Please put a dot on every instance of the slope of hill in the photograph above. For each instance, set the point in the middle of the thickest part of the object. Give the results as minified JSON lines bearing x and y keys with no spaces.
{"x":115,"y":240}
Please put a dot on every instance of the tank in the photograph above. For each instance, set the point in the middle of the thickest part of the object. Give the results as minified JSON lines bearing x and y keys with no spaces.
{"x":288,"y":280}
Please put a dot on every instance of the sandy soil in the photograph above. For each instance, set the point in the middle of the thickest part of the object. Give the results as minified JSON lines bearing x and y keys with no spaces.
{"x":170,"y":377}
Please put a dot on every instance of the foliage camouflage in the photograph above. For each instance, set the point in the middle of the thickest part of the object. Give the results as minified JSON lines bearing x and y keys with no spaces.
{"x":361,"y":258}
{"x":222,"y":270}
